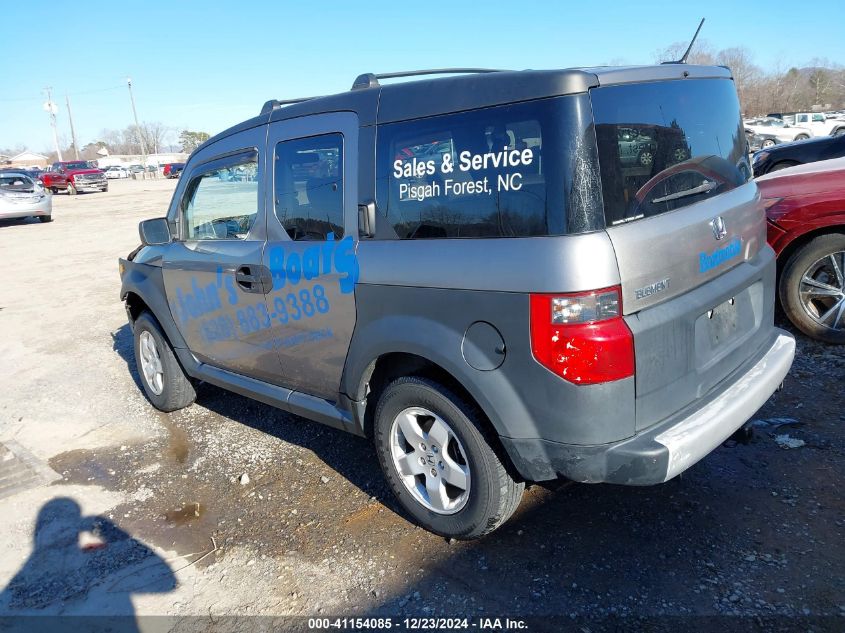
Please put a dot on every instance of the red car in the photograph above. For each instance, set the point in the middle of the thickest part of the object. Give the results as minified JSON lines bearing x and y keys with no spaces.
{"x":805,"y":206}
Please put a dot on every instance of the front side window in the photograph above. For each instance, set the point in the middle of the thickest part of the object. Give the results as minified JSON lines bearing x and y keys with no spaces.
{"x":308,"y":186}
{"x":221,"y":201}
{"x":666,"y":145}
{"x":518,"y":170}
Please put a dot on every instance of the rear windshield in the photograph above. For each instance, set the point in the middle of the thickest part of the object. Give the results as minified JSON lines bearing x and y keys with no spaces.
{"x":666,"y":145}
{"x":519,"y":170}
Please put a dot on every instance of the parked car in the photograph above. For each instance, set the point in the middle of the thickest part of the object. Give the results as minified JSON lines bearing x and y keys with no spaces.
{"x":32,"y":173}
{"x":74,"y":177}
{"x":116,"y":171}
{"x":172,"y":170}
{"x":635,"y":148}
{"x":475,"y":279}
{"x":135,"y":169}
{"x":22,"y":196}
{"x":805,"y":207}
{"x":757,"y":142}
{"x":784,"y":132}
{"x":791,"y":154}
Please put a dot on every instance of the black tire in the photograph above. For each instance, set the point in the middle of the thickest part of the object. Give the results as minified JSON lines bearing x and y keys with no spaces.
{"x":45,"y":218}
{"x":783,"y":165}
{"x":493,"y":493}
{"x":177,"y":391}
{"x":801,"y":137}
{"x":104,"y":189}
{"x":54,"y":190}
{"x":839,"y":132}
{"x":788,"y":290}
{"x":71,"y":189}
{"x":767,"y":143}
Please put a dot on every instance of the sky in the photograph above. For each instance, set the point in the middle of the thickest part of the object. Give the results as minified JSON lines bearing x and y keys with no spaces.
{"x":207,"y":65}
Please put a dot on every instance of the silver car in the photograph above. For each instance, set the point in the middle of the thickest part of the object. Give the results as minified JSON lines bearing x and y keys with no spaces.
{"x":22,"y":197}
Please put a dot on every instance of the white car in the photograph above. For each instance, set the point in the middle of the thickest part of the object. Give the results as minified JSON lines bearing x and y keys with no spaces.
{"x":22,"y":197}
{"x":116,"y":171}
{"x":784,"y":132}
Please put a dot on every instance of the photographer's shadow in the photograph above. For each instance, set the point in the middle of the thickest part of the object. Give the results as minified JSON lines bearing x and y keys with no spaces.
{"x":82,"y":566}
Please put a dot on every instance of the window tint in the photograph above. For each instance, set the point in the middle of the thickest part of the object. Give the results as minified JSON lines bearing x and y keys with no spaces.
{"x":818,"y":117}
{"x":518,"y":170}
{"x":308,"y":186}
{"x":221,"y":202}
{"x":666,"y":145}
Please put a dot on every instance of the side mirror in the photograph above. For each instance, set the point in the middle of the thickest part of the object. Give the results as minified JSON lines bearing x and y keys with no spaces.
{"x":155,"y":231}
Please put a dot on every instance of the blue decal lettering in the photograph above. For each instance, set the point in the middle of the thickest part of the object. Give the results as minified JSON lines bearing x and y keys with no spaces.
{"x":719,"y":256}
{"x":311,"y":263}
{"x":346,"y":262}
{"x":294,"y":268}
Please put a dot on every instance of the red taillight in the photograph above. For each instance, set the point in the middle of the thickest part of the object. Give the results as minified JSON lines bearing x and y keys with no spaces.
{"x":582,"y":337}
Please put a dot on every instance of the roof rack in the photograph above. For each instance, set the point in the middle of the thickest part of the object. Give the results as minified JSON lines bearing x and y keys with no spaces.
{"x":272,"y":104}
{"x":370,"y":80}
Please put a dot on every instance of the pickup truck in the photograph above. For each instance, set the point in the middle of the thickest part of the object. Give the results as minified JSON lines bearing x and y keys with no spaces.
{"x":74,"y":176}
{"x":817,"y":122}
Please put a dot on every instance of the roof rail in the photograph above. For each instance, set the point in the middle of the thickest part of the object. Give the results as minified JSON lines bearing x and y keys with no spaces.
{"x":370,"y":80}
{"x":272,"y":104}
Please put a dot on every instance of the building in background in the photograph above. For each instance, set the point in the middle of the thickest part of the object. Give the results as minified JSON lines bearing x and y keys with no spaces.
{"x":26,"y":160}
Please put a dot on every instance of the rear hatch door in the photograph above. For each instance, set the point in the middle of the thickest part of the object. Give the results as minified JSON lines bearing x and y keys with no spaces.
{"x":688,"y":229}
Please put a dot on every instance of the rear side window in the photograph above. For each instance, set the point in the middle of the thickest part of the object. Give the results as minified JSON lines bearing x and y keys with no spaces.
{"x":519,"y":170}
{"x":308,"y":186}
{"x":666,"y":145}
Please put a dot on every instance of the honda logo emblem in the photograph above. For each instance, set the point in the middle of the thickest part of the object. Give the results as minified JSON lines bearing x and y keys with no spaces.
{"x":720,"y":229}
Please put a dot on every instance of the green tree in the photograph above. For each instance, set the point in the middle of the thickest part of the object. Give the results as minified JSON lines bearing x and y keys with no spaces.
{"x":191,"y":140}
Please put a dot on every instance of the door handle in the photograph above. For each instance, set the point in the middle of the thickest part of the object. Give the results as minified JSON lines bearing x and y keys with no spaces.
{"x":253,"y":278}
{"x":247,"y":280}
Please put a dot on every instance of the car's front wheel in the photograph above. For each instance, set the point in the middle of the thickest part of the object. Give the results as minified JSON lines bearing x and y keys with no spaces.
{"x":45,"y":218}
{"x":801,"y":137}
{"x":71,"y":189}
{"x":433,"y":452}
{"x":767,"y":143}
{"x":165,"y":383}
{"x":812,"y":288}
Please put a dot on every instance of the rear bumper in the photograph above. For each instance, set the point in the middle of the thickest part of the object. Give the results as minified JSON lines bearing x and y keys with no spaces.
{"x":670,"y":447}
{"x":13,"y":211}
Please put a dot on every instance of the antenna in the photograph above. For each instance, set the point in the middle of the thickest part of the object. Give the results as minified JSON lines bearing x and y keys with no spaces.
{"x":683,"y":59}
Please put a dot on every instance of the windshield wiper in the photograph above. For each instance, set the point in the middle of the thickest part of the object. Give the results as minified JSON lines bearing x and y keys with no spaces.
{"x":704,"y":187}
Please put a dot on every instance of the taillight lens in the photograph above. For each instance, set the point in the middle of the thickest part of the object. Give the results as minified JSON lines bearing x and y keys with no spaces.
{"x":582,"y":337}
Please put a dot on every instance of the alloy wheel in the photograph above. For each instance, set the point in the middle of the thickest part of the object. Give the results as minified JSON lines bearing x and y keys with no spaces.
{"x":151,"y":363}
{"x":822,"y":291}
{"x":430,"y":460}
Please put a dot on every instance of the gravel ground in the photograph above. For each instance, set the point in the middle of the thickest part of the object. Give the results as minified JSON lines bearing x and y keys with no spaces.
{"x":756,"y":529}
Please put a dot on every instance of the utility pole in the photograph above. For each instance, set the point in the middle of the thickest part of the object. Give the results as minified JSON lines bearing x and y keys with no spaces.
{"x":138,"y":127}
{"x":51,"y":109}
{"x":72,"y":131}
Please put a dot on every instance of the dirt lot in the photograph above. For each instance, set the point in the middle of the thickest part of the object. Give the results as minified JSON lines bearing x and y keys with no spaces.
{"x":145,"y":512}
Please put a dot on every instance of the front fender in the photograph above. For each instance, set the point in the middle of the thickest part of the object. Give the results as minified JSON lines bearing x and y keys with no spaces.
{"x":147,"y":282}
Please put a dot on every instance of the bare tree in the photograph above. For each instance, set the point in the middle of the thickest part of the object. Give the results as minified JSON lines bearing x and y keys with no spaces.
{"x":745,"y":73}
{"x":702,"y":53}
